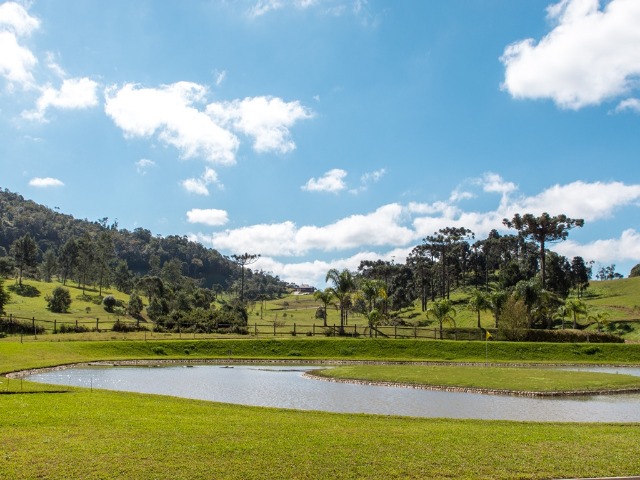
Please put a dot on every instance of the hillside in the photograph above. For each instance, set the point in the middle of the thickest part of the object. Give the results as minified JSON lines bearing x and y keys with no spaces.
{"x":143,"y":252}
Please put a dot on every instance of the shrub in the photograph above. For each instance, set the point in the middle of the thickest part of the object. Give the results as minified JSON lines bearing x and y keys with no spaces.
{"x":59,"y":301}
{"x":119,"y":326}
{"x":71,"y":328}
{"x":109,"y":302}
{"x":15,"y":326}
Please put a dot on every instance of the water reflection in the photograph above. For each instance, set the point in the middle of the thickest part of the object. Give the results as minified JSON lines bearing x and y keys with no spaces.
{"x":285,"y":387}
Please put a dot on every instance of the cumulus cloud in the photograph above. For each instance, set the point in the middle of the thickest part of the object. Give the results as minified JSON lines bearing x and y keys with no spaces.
{"x":591,"y":55}
{"x":632,"y":104}
{"x":177,"y":115}
{"x":143,"y":165}
{"x":170,"y":113}
{"x":45,"y":182}
{"x":611,"y":250}
{"x":332,"y":181}
{"x":199,"y":186}
{"x":211,"y":216}
{"x":381,"y":227}
{"x":74,"y":94}
{"x":16,"y":61}
{"x":266,"y":119}
{"x":262,"y":7}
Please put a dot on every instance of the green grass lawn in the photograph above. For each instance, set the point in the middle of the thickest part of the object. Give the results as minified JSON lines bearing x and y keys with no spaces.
{"x":105,"y":435}
{"x":492,"y":378}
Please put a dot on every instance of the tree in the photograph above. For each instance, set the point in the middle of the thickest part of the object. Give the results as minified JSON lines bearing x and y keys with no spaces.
{"x":86,"y":260}
{"x":109,"y":303}
{"x":4,"y":296}
{"x":135,"y":305}
{"x":24,"y":251}
{"x":513,"y":319}
{"x":442,"y":310}
{"x":242,"y":261}
{"x":601,"y":318}
{"x":325,"y":296}
{"x":59,"y":301}
{"x":343,"y":284}
{"x":68,"y":259}
{"x":445,"y":244}
{"x":49,"y":265}
{"x":478,"y":302}
{"x":635,"y":271}
{"x":575,"y":308}
{"x":543,"y":230}
{"x":580,"y":275}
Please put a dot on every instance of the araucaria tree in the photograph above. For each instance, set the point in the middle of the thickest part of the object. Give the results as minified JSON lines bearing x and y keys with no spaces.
{"x":543,"y":230}
{"x":242,"y":261}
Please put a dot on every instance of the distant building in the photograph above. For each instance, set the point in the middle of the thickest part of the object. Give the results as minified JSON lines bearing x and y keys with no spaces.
{"x":304,"y":288}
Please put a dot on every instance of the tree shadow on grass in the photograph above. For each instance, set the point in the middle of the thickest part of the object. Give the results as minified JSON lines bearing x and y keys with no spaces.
{"x":24,"y":290}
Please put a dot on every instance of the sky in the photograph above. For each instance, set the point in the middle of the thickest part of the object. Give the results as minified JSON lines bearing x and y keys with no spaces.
{"x":320,"y":133}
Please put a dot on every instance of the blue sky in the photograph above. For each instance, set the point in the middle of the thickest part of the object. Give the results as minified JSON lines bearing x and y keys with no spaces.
{"x":319,"y":133}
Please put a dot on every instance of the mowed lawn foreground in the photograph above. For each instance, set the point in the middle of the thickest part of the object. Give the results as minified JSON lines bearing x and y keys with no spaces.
{"x":102,"y":435}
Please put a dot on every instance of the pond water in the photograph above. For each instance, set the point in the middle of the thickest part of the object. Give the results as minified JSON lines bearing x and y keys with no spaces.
{"x":286,"y":387}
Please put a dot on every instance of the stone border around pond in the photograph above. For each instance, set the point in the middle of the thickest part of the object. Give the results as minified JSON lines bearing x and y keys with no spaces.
{"x":310,"y":375}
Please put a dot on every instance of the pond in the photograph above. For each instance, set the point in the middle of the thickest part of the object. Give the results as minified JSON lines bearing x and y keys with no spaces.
{"x":286,"y":387}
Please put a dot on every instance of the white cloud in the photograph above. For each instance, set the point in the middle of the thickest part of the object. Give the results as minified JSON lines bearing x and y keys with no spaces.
{"x":169,"y":113}
{"x":590,"y":201}
{"x":381,"y":227}
{"x":494,"y":183}
{"x":210,"y":216}
{"x":199,"y":185}
{"x":262,"y":7}
{"x":332,"y":181}
{"x":16,"y":61}
{"x":266,"y":119}
{"x":45,"y":182}
{"x":219,"y":77}
{"x":632,"y":104}
{"x":143,"y":165}
{"x":74,"y":94}
{"x":15,"y":18}
{"x":591,"y":55}
{"x":611,"y":250}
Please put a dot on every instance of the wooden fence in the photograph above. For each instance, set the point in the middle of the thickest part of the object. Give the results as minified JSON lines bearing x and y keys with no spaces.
{"x":32,"y":326}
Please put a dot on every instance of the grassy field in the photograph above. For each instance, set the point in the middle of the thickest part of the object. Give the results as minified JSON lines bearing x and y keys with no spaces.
{"x":104,"y":435}
{"x":491,"y":378}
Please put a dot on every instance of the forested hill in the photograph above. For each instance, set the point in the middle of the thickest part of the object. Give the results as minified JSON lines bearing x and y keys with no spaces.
{"x":139,"y":251}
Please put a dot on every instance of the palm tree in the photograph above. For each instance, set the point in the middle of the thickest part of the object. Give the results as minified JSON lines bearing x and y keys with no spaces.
{"x":442,"y":310}
{"x":601,"y":318}
{"x":575,"y":308}
{"x":325,"y":296}
{"x":373,"y":290}
{"x":373,"y":317}
{"x":343,"y":284}
{"x":479,"y":301}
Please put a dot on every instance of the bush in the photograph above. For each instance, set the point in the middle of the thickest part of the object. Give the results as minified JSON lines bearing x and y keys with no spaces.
{"x":570,"y":336}
{"x":119,"y":326}
{"x":513,"y":322}
{"x":70,"y":328}
{"x":15,"y":326}
{"x":109,"y":302}
{"x":59,"y":301}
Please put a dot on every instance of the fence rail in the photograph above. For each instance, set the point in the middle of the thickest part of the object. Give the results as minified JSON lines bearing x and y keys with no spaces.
{"x":14,"y":324}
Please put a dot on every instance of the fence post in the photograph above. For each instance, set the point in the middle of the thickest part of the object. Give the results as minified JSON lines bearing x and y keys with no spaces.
{"x":274,"y":328}
{"x":97,"y":324}
{"x":294,"y":329}
{"x":314,"y":330}
{"x":35,"y":334}
{"x":415,"y":332}
{"x":55,"y":324}
{"x":355,"y":330}
{"x":255,"y":329}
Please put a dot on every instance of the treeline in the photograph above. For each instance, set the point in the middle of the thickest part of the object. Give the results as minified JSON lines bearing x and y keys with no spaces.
{"x":42,"y":243}
{"x":515,"y":276}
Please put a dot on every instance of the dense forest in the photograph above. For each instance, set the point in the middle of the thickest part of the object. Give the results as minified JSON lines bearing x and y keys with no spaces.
{"x":99,"y":254}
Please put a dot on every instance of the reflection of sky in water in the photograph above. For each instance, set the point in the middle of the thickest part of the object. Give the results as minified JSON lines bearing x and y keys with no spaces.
{"x":285,"y":387}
